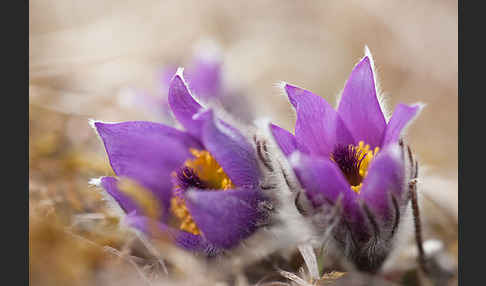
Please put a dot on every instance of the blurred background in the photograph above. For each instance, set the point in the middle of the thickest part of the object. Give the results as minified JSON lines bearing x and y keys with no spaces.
{"x":87,"y":59}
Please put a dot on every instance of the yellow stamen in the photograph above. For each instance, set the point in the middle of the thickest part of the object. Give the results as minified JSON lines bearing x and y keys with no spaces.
{"x":179,"y":209}
{"x":366,"y":155}
{"x":213,"y":176}
{"x":357,"y":188}
{"x":208,"y":170}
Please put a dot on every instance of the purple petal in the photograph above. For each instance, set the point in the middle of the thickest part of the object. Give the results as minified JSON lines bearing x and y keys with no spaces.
{"x":285,"y":140}
{"x":401,"y":117}
{"x":182,"y":239}
{"x":125,"y":202}
{"x":146,"y":152}
{"x":225,"y":217}
{"x":231,"y":150}
{"x":385,"y":178}
{"x":319,"y":127}
{"x":204,"y":77}
{"x":359,"y":106}
{"x":183,"y":105}
{"x":323,"y":182}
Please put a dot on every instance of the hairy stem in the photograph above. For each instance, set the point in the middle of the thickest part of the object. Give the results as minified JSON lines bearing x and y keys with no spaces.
{"x":418,"y":226}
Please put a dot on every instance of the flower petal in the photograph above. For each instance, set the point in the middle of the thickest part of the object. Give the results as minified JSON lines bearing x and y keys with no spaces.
{"x":204,"y":77}
{"x":231,"y":150}
{"x":401,"y":117}
{"x":225,"y":217}
{"x":182,"y":239}
{"x":146,"y":152}
{"x":125,"y":202}
{"x":319,"y":127}
{"x":323,"y":182}
{"x":385,"y":178}
{"x":359,"y":106}
{"x":285,"y":140}
{"x":183,"y":105}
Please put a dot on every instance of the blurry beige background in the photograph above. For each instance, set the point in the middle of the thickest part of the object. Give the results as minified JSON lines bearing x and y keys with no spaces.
{"x":85,"y":55}
{"x":84,"y":50}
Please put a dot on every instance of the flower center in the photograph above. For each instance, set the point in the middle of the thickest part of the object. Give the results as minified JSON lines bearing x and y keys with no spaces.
{"x":353,"y":162}
{"x":202,"y":172}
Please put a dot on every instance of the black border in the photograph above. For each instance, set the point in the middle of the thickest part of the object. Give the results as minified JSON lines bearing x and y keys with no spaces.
{"x":15,"y":133}
{"x":460,"y":139}
{"x":472,"y":195}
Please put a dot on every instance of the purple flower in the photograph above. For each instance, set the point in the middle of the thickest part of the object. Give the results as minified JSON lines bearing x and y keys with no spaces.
{"x":205,"y":79}
{"x":203,"y":76}
{"x":352,"y":159}
{"x":204,"y":180}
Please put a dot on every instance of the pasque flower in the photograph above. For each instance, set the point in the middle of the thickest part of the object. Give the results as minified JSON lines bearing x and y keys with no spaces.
{"x":352,"y":159}
{"x":203,"y":75}
{"x":202,"y":184}
{"x":205,"y":79}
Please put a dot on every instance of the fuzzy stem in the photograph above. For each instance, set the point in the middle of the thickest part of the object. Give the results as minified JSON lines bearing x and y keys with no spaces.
{"x":418,"y":226}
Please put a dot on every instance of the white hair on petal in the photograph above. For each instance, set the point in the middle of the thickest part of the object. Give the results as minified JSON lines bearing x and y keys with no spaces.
{"x":92,"y":123}
{"x":410,"y":122}
{"x":199,"y":113}
{"x":367,"y":53}
{"x":180,"y":73}
{"x":379,"y":94}
{"x":283,"y":92}
{"x":338,"y":98}
{"x":96,"y":181}
{"x":281,"y":85}
{"x":111,"y":202}
{"x":421,"y":106}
